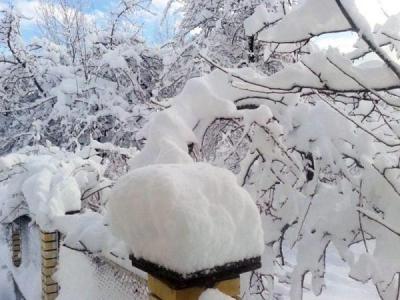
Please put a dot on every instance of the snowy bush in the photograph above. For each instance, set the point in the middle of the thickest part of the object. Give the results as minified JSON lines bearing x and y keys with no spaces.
{"x":99,"y":89}
{"x":45,"y":183}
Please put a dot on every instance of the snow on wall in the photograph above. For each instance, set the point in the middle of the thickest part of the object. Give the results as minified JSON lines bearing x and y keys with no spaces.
{"x":186,"y":217}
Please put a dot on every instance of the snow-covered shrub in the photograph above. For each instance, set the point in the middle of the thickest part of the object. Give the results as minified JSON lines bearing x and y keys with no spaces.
{"x":48,"y":94}
{"x":45,"y":183}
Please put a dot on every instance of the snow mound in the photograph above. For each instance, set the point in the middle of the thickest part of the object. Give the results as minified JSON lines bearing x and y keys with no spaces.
{"x":185,"y":217}
{"x":44,"y":183}
{"x":213,"y":294}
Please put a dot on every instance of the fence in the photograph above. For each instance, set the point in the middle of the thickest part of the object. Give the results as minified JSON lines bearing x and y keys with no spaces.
{"x":82,"y":275}
{"x":110,"y":280}
{"x":115,"y":282}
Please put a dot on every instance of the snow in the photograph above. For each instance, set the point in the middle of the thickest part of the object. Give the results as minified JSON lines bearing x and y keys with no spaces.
{"x":26,"y":278}
{"x":49,"y":196}
{"x":76,"y":277}
{"x":169,"y":132}
{"x":259,"y":19}
{"x":115,"y":59}
{"x":312,"y":18}
{"x":185,"y":217}
{"x":330,"y":66}
{"x":91,"y":277}
{"x":88,"y":229}
{"x":323,"y":113}
{"x":168,"y":139}
{"x":213,"y":294}
{"x":338,"y":285}
{"x":6,"y":284}
{"x":45,"y":183}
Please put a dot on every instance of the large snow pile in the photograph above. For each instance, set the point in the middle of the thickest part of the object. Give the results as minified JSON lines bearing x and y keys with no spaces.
{"x":186,"y":217}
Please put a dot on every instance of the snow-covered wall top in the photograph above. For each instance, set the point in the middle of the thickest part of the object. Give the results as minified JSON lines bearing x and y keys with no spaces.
{"x":186,"y":217}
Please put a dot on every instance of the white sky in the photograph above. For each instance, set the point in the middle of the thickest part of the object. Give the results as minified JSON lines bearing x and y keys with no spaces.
{"x":374,"y":11}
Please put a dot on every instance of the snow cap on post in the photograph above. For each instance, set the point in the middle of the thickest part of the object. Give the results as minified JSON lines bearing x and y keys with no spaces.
{"x":185,"y":221}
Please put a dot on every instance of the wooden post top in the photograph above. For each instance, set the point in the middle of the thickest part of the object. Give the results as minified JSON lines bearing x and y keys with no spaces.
{"x":204,"y":278}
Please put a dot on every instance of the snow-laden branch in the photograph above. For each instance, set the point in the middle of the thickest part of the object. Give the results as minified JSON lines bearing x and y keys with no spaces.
{"x":356,"y":20}
{"x":376,"y":218}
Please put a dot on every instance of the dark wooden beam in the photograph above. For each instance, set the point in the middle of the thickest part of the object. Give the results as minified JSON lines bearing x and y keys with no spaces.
{"x":204,"y":278}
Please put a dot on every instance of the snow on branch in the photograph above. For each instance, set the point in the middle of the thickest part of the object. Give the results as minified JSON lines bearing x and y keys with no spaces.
{"x":307,"y":20}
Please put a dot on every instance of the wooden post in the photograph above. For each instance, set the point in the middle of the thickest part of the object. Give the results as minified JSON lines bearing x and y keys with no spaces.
{"x":16,"y":244}
{"x":159,"y":290}
{"x":49,"y":249}
{"x":166,"y":284}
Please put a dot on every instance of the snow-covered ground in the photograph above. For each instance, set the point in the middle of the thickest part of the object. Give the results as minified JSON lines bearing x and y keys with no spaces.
{"x":339,"y":286}
{"x":25,"y":279}
{"x":6,"y":283}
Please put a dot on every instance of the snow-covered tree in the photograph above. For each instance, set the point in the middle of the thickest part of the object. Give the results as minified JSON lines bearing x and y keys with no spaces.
{"x":349,"y":133}
{"x":99,"y":89}
{"x":313,"y":135}
{"x":316,"y":144}
{"x":216,"y":29}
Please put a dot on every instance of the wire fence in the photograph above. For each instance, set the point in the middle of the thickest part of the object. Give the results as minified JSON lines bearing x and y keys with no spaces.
{"x":115,"y":282}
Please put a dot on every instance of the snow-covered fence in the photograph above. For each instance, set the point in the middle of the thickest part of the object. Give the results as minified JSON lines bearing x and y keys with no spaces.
{"x":82,"y":275}
{"x":116,"y":282}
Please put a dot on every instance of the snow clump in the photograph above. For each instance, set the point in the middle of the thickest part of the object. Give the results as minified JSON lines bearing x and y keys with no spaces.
{"x":185,"y":217}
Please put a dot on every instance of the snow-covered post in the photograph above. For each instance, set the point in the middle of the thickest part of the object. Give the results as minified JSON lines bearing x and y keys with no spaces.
{"x":49,"y":248}
{"x":191,"y":227}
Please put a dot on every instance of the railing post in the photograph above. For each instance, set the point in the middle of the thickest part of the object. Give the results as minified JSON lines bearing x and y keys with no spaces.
{"x":49,"y":249}
{"x":160,"y":290}
{"x":16,"y":244}
{"x":166,"y":284}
